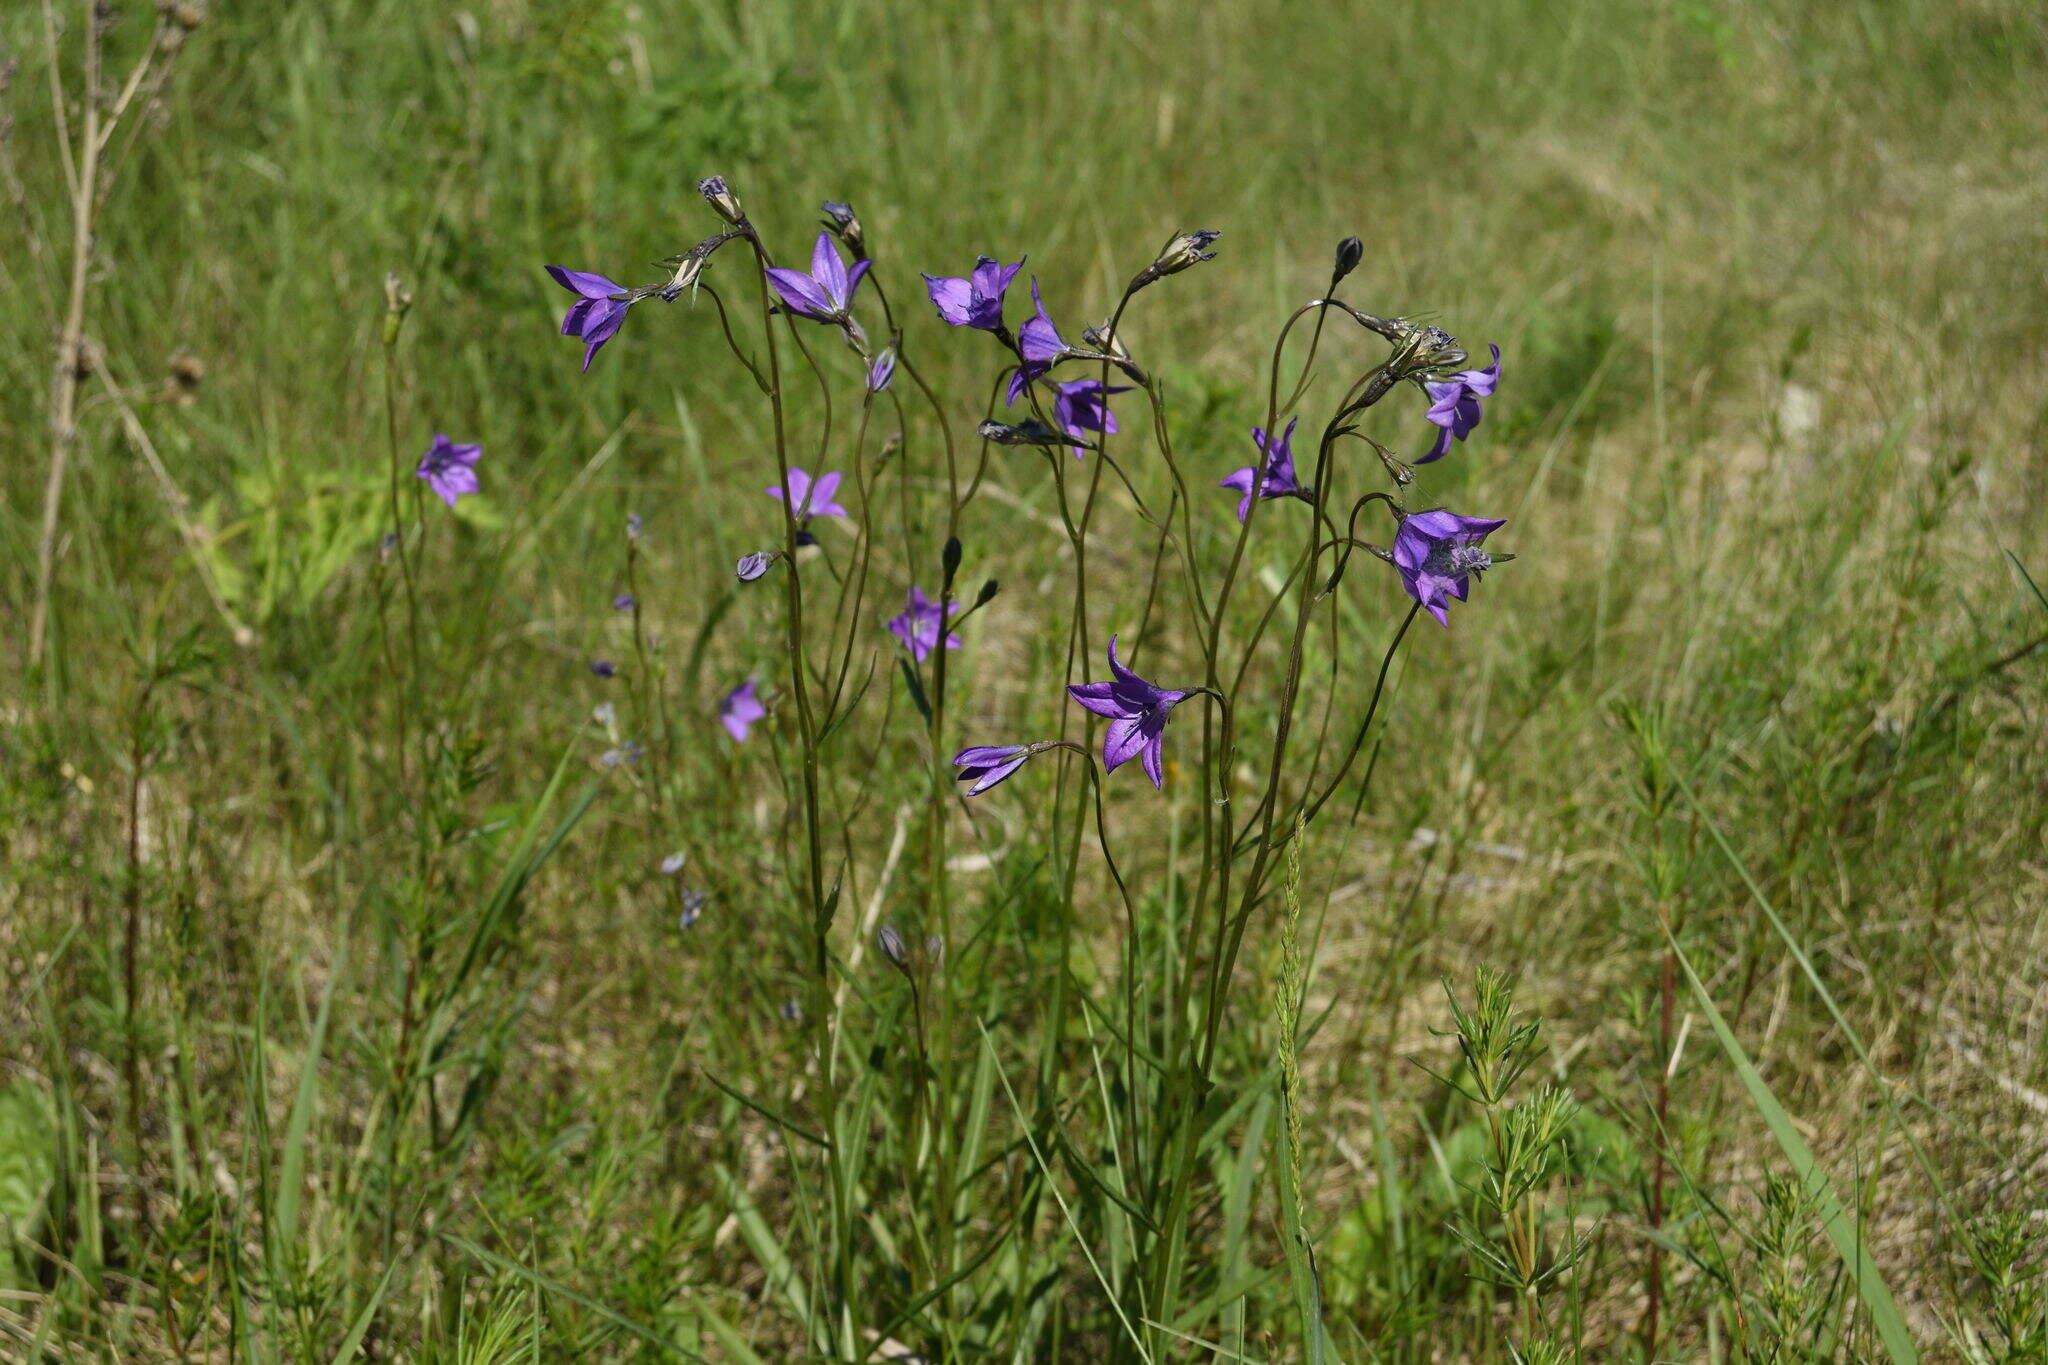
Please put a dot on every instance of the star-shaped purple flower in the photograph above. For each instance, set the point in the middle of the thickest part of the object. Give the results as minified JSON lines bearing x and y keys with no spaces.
{"x":1137,"y":714}
{"x":977,"y":299}
{"x":597,"y":314}
{"x":1082,"y":405}
{"x":987,"y":764}
{"x":1438,"y":555}
{"x":918,"y":626}
{"x":1454,"y":404}
{"x":810,"y":498}
{"x":1279,"y":480}
{"x":739,"y":709}
{"x":449,"y":469}
{"x":826,"y":294}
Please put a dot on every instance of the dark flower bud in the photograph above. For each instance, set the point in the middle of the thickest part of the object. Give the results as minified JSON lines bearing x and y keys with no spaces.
{"x":987,"y":594}
{"x":721,"y":198}
{"x":1350,"y":252}
{"x":840,"y":218}
{"x":603,"y":668}
{"x":949,"y":560}
{"x":893,"y":947}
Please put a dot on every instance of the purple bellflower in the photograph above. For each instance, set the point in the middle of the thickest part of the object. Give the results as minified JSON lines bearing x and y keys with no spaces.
{"x":1454,"y":404}
{"x":809,"y":498}
{"x":739,"y":709}
{"x":449,"y":469}
{"x":987,"y":764}
{"x":918,"y":627}
{"x":1277,"y":481}
{"x":1082,"y":405}
{"x":826,"y":294}
{"x":977,"y":299}
{"x":597,"y":315}
{"x":1438,"y":556}
{"x":1137,"y":714}
{"x":604,"y":668}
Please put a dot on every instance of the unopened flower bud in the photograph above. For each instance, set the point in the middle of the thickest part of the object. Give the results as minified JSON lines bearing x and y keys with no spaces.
{"x":893,"y":947}
{"x":987,"y":593}
{"x":1350,"y":252}
{"x":754,"y":565}
{"x":949,"y":559}
{"x":882,"y":370}
{"x":721,"y":198}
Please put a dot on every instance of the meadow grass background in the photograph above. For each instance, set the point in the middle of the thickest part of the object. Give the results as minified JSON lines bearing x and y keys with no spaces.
{"x":1769,"y":280}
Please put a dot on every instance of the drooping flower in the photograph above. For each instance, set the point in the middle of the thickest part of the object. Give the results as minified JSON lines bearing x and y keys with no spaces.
{"x":595,"y":316}
{"x":635,"y":524}
{"x":882,"y":370}
{"x":791,"y":1011}
{"x":918,"y":627}
{"x":603,"y":668}
{"x":628,"y":753}
{"x":1454,"y":404}
{"x":807,"y":497}
{"x":1082,"y":405}
{"x":623,"y":602}
{"x":1438,"y":555}
{"x":1137,"y":714}
{"x":739,"y":709}
{"x":721,"y":198}
{"x":673,"y":864}
{"x":890,"y":940}
{"x":449,"y":469}
{"x":605,"y":714}
{"x":693,"y":906}
{"x":987,"y":764}
{"x":826,"y":294}
{"x":975,"y":300}
{"x":1278,"y":479}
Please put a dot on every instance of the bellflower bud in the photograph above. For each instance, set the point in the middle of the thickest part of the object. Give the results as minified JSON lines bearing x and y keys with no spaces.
{"x":722,"y":199}
{"x":1350,"y":252}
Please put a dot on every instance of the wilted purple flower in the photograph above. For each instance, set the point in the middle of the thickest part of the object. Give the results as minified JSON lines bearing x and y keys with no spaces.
{"x":987,"y":764}
{"x":918,"y":626}
{"x":604,"y":668}
{"x":739,"y":709}
{"x":693,"y":906}
{"x":635,"y":524}
{"x":722,"y":199}
{"x":791,"y":1011}
{"x":1279,"y":479}
{"x":388,"y":546}
{"x":1137,"y":712}
{"x":672,"y":864}
{"x":449,"y":469}
{"x":605,"y":714}
{"x":754,"y":565}
{"x":882,"y":370}
{"x":809,"y":498}
{"x":597,"y":315}
{"x":1454,"y":404}
{"x":977,"y":299}
{"x":826,"y":294}
{"x":623,"y":602}
{"x":841,"y":219}
{"x":1438,"y":555}
{"x":629,"y":752}
{"x":1083,"y":405}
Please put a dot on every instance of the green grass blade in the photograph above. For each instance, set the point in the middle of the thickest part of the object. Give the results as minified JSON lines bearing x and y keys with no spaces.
{"x":1848,"y":1240}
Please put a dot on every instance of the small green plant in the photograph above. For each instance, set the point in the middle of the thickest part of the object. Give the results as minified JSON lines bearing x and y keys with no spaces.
{"x":1506,"y":1226}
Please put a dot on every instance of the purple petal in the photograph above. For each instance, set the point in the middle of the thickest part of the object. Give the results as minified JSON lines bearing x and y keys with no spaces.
{"x":1150,"y":755}
{"x":828,"y":270}
{"x":1122,"y":741}
{"x":952,"y":297}
{"x":1099,"y":698}
{"x":800,"y":293}
{"x":997,"y":774}
{"x":584,"y":282}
